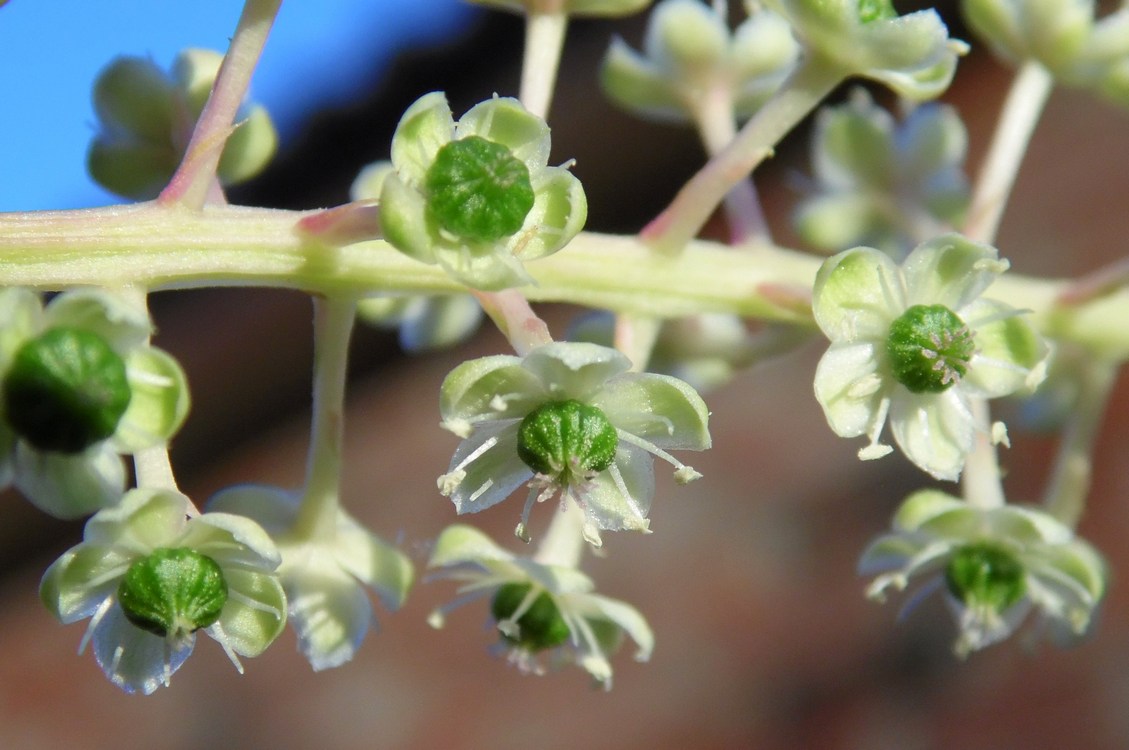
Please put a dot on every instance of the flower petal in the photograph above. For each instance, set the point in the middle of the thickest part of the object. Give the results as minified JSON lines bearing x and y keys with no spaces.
{"x":1009,"y":351}
{"x":487,"y":388}
{"x":857,"y":294}
{"x":485,"y":266}
{"x":504,"y":120}
{"x":424,"y":128}
{"x":70,"y":486}
{"x":122,"y":324}
{"x":849,"y":388}
{"x":459,"y":544}
{"x":158,"y":403}
{"x":439,"y":321}
{"x":134,"y":660}
{"x":575,"y":369}
{"x":231,"y":540}
{"x":623,"y":615}
{"x":272,"y":508}
{"x":934,"y":431}
{"x":615,"y":503}
{"x":81,"y":580}
{"x":559,"y":211}
{"x":143,"y":520}
{"x":374,"y":562}
{"x":255,"y":612}
{"x":950,"y":270}
{"x":658,"y":408}
{"x":485,"y":469}
{"x":403,"y":220}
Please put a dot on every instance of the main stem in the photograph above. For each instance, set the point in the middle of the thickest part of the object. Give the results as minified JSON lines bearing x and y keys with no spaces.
{"x":333,"y":324}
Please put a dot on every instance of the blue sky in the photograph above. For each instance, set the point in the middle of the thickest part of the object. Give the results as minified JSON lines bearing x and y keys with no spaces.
{"x":50,"y":53}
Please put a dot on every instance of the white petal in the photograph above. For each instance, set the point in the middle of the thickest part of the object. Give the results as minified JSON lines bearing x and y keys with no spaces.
{"x":575,"y":369}
{"x":951,"y":271}
{"x":374,"y":562}
{"x":849,"y":388}
{"x":134,"y":660}
{"x":328,"y":609}
{"x":486,"y":469}
{"x":620,"y":497}
{"x":70,"y":486}
{"x":934,"y":431}
{"x":857,"y":294}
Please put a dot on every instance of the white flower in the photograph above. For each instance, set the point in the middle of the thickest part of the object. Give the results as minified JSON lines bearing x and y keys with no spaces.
{"x":691,"y":58}
{"x":996,"y":565}
{"x":61,"y":432}
{"x":881,"y":183}
{"x":477,"y":197}
{"x":142,"y":633}
{"x":542,"y":611}
{"x":570,"y":417}
{"x":916,"y":343}
{"x":912,"y":54}
{"x":425,"y":321}
{"x":324,"y":572}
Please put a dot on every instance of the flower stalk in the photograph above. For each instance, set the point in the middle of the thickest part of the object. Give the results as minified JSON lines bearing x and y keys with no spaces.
{"x":194,"y":182}
{"x":333,"y":324}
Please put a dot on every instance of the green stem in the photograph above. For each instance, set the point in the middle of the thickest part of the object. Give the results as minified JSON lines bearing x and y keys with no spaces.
{"x":563,"y":543}
{"x":680,"y":222}
{"x":159,"y":247}
{"x":1020,"y":114}
{"x":717,"y":127}
{"x":1070,"y":481}
{"x":192,"y":184}
{"x":544,"y":40}
{"x":333,"y":324}
{"x":981,"y":479}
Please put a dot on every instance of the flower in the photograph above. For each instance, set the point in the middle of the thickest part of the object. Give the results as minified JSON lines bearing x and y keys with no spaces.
{"x":149,"y":578}
{"x":425,"y":322}
{"x":917,"y":343}
{"x":996,"y":566}
{"x":146,"y":116}
{"x":691,"y":58}
{"x":1062,"y":36}
{"x":541,"y":611}
{"x":80,"y":384}
{"x":912,"y":54}
{"x":881,"y":184}
{"x":570,"y":417}
{"x":324,"y":571}
{"x":477,"y":197}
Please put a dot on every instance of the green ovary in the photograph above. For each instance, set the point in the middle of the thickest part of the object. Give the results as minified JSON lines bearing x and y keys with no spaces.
{"x":478,"y":190}
{"x":567,"y":440}
{"x":984,"y":575}
{"x":875,"y":10}
{"x":173,"y":592}
{"x":540,"y":627}
{"x":929,"y":348}
{"x":65,"y":390}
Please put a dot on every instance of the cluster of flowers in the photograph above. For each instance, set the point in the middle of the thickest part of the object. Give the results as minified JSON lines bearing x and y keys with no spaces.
{"x":913,"y":344}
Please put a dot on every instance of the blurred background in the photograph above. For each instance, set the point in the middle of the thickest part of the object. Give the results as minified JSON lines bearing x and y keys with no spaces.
{"x":764,"y":637}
